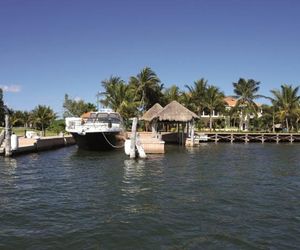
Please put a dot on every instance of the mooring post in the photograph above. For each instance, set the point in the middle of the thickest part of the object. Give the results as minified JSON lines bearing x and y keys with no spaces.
{"x":133,"y":138}
{"x":216,"y":138}
{"x":192,"y":133}
{"x":7,"y":136}
{"x":263,"y":138}
{"x":291,"y":139}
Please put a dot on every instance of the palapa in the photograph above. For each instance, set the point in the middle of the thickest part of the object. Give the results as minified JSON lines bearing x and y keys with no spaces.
{"x":150,"y":114}
{"x":175,"y":112}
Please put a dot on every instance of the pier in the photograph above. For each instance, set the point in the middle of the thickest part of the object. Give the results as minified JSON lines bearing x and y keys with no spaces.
{"x":33,"y":145}
{"x":236,"y":137}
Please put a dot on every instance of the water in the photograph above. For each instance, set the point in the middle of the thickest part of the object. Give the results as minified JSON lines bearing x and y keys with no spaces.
{"x":213,"y":197}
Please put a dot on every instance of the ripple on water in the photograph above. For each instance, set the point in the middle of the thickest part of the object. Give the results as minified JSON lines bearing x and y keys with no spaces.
{"x":214,"y":196}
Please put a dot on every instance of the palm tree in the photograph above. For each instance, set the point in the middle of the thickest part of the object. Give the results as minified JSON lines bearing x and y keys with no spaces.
{"x":76,"y":107}
{"x":286,"y":102}
{"x":197,"y":92}
{"x":26,"y":118}
{"x":42,"y":117}
{"x":147,"y":87}
{"x":213,"y":100}
{"x":119,"y":96}
{"x":267,"y":121}
{"x":297,"y":117}
{"x":186,"y":100}
{"x":172,"y":94}
{"x":246,"y":91}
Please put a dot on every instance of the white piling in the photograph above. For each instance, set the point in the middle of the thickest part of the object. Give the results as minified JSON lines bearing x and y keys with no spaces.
{"x":7,"y":136}
{"x":133,"y":138}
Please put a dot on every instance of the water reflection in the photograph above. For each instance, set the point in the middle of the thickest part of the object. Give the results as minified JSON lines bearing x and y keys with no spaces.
{"x":10,"y":164}
{"x":134,"y":170}
{"x":8,"y":169}
{"x":211,"y":196}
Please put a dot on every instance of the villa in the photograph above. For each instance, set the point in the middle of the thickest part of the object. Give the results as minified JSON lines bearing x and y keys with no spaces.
{"x":230,"y":103}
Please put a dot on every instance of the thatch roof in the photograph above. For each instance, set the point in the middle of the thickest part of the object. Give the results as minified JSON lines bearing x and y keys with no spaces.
{"x":176,"y":112}
{"x":152,"y":112}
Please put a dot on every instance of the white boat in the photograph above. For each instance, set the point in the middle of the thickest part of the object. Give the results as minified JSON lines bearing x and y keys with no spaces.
{"x":101,"y":130}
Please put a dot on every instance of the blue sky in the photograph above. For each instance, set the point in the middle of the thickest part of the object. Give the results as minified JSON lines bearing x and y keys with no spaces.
{"x":49,"y":48}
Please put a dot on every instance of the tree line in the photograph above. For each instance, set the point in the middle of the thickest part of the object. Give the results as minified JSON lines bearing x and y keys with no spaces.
{"x":42,"y":117}
{"x":143,"y":90}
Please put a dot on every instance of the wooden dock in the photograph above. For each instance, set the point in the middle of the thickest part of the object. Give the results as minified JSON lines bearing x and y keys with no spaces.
{"x":244,"y":137}
{"x":151,"y":145}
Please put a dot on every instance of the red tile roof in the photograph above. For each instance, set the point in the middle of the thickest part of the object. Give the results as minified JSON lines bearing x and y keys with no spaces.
{"x":231,"y":101}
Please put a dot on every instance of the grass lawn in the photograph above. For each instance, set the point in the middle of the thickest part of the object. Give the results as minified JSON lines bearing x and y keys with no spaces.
{"x":20,"y":131}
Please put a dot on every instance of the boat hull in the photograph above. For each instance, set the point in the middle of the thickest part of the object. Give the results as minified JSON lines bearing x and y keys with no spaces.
{"x":99,"y":140}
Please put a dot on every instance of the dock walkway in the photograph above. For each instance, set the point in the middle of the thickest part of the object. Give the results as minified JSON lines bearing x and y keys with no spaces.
{"x":244,"y":137}
{"x":31,"y":145}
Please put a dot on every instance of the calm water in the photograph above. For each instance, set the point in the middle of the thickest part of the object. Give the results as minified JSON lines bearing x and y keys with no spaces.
{"x":212,"y":197}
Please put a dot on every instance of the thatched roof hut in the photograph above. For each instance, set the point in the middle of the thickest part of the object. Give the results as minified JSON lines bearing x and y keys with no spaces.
{"x":175,"y":112}
{"x":152,"y":112}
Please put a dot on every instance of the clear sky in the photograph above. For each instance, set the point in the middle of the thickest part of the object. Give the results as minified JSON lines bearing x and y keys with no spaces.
{"x":52,"y":47}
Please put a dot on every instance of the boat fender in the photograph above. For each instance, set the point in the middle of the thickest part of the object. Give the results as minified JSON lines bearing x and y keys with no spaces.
{"x":127,"y":147}
{"x":14,"y":142}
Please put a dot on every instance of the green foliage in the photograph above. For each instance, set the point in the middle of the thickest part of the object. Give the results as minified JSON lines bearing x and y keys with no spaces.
{"x":20,"y":118}
{"x":286,"y":103}
{"x":196,"y":94}
{"x":76,"y":108}
{"x":213,"y":100}
{"x":57,"y":126}
{"x":172,"y":94}
{"x":120,"y":97}
{"x":42,"y":116}
{"x":148,"y":88}
{"x":246,"y":91}
{"x":267,"y":121}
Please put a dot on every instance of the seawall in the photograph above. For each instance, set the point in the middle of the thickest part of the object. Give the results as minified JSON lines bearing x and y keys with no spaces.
{"x":28,"y":145}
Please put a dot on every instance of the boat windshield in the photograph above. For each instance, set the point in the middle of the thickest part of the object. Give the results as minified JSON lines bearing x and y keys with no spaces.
{"x":104,"y":118}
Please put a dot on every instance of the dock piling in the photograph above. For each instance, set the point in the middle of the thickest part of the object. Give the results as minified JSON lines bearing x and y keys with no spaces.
{"x":8,"y":151}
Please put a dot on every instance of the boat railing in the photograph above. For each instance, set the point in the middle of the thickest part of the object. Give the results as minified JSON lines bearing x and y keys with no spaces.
{"x":78,"y":124}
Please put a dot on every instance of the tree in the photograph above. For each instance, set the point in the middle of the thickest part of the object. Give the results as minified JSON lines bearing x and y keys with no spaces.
{"x":57,"y":126}
{"x":147,"y":87}
{"x":42,"y":117}
{"x":20,"y":118}
{"x":246,"y":91}
{"x":172,"y":94}
{"x":286,"y":103}
{"x":17,"y":118}
{"x":197,"y":93}
{"x":213,"y":100}
{"x":119,"y":96}
{"x":76,"y":108}
{"x":27,"y":118}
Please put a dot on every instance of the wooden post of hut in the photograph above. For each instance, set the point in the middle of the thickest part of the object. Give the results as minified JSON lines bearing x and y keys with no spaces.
{"x":182,"y":134}
{"x":192,"y":132}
